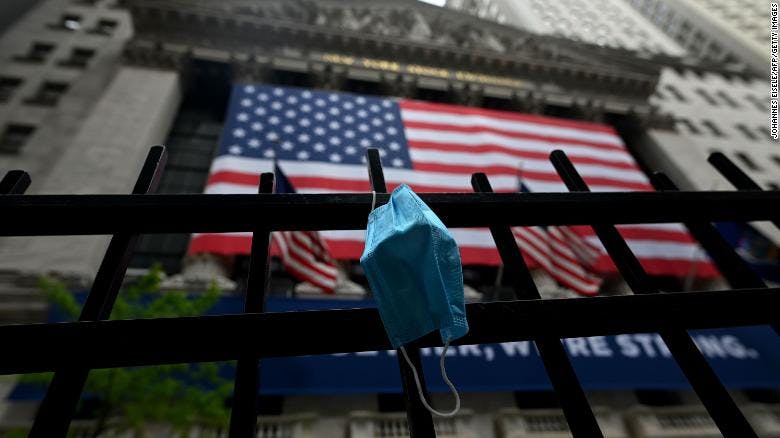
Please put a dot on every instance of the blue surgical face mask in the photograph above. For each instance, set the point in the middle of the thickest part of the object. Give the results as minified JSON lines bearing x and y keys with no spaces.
{"x":413,"y":266}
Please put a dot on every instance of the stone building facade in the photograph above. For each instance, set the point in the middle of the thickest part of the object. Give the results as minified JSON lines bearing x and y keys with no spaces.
{"x":717,"y":31}
{"x":88,"y":86}
{"x":714,"y":111}
{"x":610,"y":23}
{"x":65,"y":99}
{"x":110,"y":80}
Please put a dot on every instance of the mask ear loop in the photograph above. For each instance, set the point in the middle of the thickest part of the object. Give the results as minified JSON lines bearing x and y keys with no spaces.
{"x":443,"y":376}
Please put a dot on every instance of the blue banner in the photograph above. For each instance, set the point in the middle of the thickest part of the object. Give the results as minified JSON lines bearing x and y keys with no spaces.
{"x":744,"y":357}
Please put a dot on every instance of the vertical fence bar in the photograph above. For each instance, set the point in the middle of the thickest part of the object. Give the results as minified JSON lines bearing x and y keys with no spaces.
{"x":697,"y":370}
{"x":109,"y":278}
{"x":15,"y":182}
{"x":731,"y":265}
{"x":735,"y":175}
{"x":573,"y":401}
{"x":243,"y":417}
{"x":734,"y":269}
{"x":59,"y":404}
{"x":419,"y":419}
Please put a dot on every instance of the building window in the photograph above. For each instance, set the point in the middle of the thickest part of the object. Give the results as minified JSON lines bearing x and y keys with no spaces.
{"x":685,"y":29}
{"x":68,"y":22}
{"x":706,"y":96}
{"x":79,"y":58}
{"x":726,"y":98}
{"x":104,"y":27}
{"x":714,"y":130}
{"x":746,"y":132}
{"x":48,"y":94}
{"x":732,"y":60}
{"x":747,"y":161}
{"x":14,"y":137}
{"x":191,"y":144}
{"x":7,"y":87}
{"x":714,"y":51}
{"x":675,"y":92}
{"x":758,"y":103}
{"x":764,"y":131}
{"x":37,"y":53}
{"x":689,"y":127}
{"x":697,"y":42}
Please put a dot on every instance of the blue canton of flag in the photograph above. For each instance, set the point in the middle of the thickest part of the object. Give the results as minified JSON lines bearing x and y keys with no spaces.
{"x":307,"y":125}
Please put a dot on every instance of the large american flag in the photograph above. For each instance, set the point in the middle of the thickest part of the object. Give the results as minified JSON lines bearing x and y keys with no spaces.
{"x":319,"y":140}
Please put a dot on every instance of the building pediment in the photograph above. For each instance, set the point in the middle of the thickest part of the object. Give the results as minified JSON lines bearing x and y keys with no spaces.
{"x":379,"y":23}
{"x":406,"y":32}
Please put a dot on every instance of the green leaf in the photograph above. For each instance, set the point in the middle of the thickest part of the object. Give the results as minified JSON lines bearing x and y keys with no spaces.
{"x":182,"y":395}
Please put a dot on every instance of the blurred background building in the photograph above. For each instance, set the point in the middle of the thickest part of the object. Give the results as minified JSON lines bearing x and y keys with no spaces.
{"x":719,"y":31}
{"x":712,"y":86}
{"x":86,"y":86}
{"x":610,"y":23}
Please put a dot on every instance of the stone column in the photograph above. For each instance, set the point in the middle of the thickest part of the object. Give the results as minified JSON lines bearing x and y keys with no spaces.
{"x":134,"y":113}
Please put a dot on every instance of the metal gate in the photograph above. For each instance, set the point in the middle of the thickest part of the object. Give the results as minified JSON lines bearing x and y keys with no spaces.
{"x":72,"y":349}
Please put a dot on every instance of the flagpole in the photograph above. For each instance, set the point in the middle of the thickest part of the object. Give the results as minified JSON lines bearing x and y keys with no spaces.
{"x":688,"y":283}
{"x":500,"y":270}
{"x":689,"y":278}
{"x":499,"y":276}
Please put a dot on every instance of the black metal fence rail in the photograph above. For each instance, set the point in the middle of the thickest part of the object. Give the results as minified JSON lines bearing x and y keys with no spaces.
{"x":72,"y":349}
{"x":110,"y":214}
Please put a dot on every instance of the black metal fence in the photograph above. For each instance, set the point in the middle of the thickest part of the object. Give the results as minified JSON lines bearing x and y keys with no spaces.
{"x":72,"y":349}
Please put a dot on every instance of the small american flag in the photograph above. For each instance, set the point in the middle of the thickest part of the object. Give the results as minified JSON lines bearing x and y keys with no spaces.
{"x":562,"y":253}
{"x":319,"y":140}
{"x":303,"y":253}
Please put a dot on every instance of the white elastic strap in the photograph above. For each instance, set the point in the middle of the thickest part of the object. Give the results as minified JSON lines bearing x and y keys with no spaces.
{"x":443,"y":376}
{"x":373,"y":200}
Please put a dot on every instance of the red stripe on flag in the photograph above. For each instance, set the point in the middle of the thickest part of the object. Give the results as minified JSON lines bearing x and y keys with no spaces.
{"x":556,"y":259}
{"x":320,"y":183}
{"x":512,"y":134}
{"x":297,"y":251}
{"x":521,"y":154}
{"x":505,"y":115}
{"x":658,"y":266}
{"x":242,"y":178}
{"x":636,"y":233}
{"x":224,"y":244}
{"x":526,"y":174}
{"x":309,"y":256}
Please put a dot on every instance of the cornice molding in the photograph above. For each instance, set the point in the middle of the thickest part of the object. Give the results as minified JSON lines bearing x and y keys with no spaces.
{"x":405,"y":31}
{"x":156,"y":55}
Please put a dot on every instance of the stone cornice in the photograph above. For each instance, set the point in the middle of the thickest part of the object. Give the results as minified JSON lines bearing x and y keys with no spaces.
{"x":250,"y":29}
